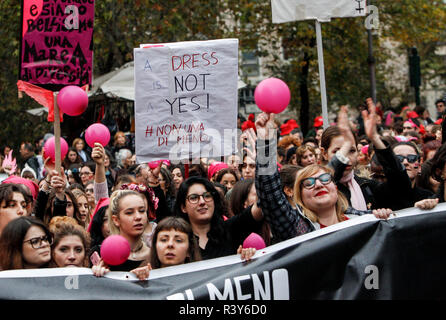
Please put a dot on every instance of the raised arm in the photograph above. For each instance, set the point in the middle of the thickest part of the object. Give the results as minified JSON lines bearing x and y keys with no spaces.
{"x":100,"y":182}
{"x":285,"y":222}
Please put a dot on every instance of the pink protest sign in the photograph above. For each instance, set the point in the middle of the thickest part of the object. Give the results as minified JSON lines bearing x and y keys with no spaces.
{"x":57,"y":42}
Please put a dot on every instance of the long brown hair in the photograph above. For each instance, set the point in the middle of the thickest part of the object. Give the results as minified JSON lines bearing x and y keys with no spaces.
{"x":11,"y":241}
{"x":65,"y":227}
{"x":341,"y":203}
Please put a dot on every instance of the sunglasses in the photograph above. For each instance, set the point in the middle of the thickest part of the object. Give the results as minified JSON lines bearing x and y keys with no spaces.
{"x":411,"y":158}
{"x":36,"y":243}
{"x":194,"y":198}
{"x":309,"y":183}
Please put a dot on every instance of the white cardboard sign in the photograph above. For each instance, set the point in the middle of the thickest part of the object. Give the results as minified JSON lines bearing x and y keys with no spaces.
{"x":185,"y":99}
{"x":321,"y":10}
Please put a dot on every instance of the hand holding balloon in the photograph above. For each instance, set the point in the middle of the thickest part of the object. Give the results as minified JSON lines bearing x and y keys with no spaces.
{"x":97,"y":132}
{"x":272,"y":95}
{"x":115,"y":250}
{"x":254,"y":241}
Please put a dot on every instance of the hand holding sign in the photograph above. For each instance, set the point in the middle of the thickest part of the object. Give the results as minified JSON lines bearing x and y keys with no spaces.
{"x":272,"y":95}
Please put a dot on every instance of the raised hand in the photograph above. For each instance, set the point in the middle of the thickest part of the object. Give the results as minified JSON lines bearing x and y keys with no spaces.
{"x":58,"y":182}
{"x":98,"y":154}
{"x":153,"y":174}
{"x":265,"y":126}
{"x":251,"y":143}
{"x":369,"y":118}
{"x":344,"y":124}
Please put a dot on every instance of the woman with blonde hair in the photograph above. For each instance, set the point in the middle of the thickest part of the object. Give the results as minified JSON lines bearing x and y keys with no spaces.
{"x":127,"y":216}
{"x":318,"y":203}
{"x":79,"y":145}
{"x":318,"y":197}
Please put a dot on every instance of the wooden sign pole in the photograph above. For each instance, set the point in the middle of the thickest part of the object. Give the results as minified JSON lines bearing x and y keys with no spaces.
{"x":57,"y":134}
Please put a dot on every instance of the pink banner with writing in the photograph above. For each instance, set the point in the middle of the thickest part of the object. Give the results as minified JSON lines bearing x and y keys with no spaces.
{"x":57,"y":42}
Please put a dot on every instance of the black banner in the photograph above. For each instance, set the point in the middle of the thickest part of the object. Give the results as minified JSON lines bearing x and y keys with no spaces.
{"x":362,"y":258}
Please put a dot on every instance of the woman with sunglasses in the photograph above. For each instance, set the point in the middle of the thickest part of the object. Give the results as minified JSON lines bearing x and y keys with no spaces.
{"x":401,"y":165}
{"x":199,"y":203}
{"x":25,"y":243}
{"x":320,"y":197}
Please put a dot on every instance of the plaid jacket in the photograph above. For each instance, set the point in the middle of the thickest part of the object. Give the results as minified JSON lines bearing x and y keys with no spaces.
{"x":285,"y":221}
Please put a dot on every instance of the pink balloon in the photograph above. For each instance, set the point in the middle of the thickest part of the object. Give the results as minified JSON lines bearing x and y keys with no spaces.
{"x":254,"y":241}
{"x":72,"y":100}
{"x":272,"y":95}
{"x":97,"y":132}
{"x":50,"y":149}
{"x":115,"y":250}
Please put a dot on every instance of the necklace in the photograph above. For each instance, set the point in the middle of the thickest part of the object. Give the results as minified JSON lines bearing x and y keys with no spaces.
{"x":136,"y":250}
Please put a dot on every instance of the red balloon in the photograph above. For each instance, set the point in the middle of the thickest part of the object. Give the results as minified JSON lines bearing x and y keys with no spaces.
{"x":72,"y":100}
{"x":50,"y":149}
{"x":97,"y":132}
{"x":272,"y":95}
{"x":254,"y":241}
{"x":115,"y":250}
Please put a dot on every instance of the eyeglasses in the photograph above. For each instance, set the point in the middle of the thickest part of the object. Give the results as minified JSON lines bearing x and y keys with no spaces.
{"x":85,"y":174}
{"x":194,"y":198}
{"x":411,"y":158}
{"x":36,"y":243}
{"x":309,"y":183}
{"x":89,"y":190}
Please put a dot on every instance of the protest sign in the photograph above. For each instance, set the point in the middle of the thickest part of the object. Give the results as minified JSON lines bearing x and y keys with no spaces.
{"x":321,"y":10}
{"x":185,"y":99}
{"x":57,"y":42}
{"x":362,"y":258}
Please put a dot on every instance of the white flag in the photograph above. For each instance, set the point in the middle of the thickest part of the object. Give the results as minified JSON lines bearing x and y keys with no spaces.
{"x":321,"y":10}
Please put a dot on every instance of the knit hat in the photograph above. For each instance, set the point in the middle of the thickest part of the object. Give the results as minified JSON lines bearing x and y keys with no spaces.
{"x":288,"y":126}
{"x":215,"y":167}
{"x":32,"y":186}
{"x":318,"y":122}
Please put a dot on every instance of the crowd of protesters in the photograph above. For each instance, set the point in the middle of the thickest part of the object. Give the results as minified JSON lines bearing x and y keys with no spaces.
{"x":281,"y":185}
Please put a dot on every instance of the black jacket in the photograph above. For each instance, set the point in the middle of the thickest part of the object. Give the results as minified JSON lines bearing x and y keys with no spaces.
{"x":396,"y":193}
{"x":231,"y":233}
